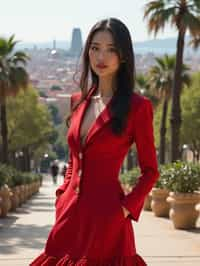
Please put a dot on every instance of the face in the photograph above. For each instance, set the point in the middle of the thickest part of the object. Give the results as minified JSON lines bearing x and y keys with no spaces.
{"x":103,"y":56}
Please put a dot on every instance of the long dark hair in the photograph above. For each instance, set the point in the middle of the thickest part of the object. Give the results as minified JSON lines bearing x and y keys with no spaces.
{"x":120,"y":104}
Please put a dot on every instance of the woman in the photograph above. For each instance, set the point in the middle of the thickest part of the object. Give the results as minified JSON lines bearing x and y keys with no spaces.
{"x":93,"y":214}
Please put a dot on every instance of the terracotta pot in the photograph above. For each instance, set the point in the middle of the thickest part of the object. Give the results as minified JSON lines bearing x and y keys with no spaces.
{"x":29,"y":191}
{"x":197,"y":207}
{"x":147,"y":202}
{"x":6,"y":201}
{"x":38,"y":186}
{"x":32,"y":188}
{"x":20,"y":196}
{"x":26,"y":192}
{"x":182,"y":209}
{"x":14,"y":198}
{"x":22,"y":191}
{"x":159,"y":205}
{"x":1,"y":200}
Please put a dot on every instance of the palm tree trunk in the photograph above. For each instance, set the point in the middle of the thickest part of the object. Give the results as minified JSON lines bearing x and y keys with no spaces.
{"x":4,"y":133}
{"x":163,"y":132}
{"x":176,"y":93}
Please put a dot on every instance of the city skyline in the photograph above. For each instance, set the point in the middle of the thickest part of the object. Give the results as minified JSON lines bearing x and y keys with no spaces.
{"x":41,"y":21}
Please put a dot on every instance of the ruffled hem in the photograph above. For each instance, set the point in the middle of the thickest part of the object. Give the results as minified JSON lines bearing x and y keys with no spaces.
{"x":45,"y":260}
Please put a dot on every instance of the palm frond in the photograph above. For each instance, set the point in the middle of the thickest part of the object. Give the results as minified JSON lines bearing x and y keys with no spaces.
{"x":158,"y":15}
{"x":192,"y":22}
{"x":195,"y":42}
{"x":20,"y":57}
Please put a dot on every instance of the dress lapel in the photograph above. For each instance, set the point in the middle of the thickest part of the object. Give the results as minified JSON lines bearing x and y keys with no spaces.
{"x":96,"y":126}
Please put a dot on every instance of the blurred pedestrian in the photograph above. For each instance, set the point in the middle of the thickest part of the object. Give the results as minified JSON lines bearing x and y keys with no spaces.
{"x":54,"y":171}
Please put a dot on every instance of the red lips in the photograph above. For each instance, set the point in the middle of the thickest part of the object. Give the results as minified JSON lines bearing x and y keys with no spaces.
{"x":101,"y":65}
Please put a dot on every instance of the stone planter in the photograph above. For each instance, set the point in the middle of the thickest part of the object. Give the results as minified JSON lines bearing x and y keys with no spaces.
{"x":159,"y":205}
{"x":183,"y":211}
{"x":6,"y":201}
{"x":147,"y":202}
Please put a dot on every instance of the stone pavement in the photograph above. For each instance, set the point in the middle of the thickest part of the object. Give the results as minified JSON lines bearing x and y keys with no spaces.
{"x":23,"y":234}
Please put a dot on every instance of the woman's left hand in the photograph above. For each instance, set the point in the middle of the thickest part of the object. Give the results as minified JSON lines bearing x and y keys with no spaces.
{"x":126,"y":212}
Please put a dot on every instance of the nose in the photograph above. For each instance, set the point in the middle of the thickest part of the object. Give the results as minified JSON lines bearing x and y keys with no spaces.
{"x":101,"y":56}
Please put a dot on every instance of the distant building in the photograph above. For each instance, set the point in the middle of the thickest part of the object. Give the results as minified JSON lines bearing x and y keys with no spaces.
{"x":54,"y":44}
{"x":76,"y":43}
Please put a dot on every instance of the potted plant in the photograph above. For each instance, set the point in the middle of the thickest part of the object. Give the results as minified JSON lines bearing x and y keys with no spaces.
{"x":12,"y":183}
{"x":184,"y":184}
{"x":4,"y":191}
{"x":159,"y":192}
{"x":128,"y":181}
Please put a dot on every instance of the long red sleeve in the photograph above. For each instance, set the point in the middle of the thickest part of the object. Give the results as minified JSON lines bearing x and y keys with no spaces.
{"x":144,"y":139}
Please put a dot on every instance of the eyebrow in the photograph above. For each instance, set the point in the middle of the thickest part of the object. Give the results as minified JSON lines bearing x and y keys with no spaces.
{"x":109,"y":44}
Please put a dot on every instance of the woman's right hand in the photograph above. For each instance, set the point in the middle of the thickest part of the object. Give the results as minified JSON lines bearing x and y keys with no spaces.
{"x":58,"y":196}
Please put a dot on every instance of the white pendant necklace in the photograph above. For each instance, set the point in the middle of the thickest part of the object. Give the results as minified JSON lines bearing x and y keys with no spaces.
{"x":99,"y":103}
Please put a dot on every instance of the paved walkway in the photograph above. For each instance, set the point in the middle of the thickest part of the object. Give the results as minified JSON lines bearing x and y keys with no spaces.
{"x":23,"y":234}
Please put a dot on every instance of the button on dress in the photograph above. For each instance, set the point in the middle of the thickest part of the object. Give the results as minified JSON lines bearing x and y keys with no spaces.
{"x":90,"y":228}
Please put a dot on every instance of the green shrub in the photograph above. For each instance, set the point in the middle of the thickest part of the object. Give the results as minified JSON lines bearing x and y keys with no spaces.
{"x":130,"y":177}
{"x":181,"y":177}
{"x":12,"y":177}
{"x":163,"y":179}
{"x":4,"y":176}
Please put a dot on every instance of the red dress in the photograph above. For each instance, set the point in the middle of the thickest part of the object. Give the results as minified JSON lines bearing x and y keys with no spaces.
{"x":90,"y":227}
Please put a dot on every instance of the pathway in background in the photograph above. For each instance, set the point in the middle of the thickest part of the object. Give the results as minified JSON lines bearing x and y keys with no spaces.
{"x":24,"y":232}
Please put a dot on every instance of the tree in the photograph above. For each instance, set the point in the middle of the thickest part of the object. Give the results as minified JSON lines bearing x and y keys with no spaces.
{"x":13,"y":77}
{"x":55,"y":114}
{"x":191,"y":120}
{"x":160,"y":80}
{"x":184,"y":15}
{"x":29,"y":125}
{"x":143,"y":87}
{"x":56,"y":88}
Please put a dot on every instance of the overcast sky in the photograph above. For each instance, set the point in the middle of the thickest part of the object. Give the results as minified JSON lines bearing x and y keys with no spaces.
{"x":45,"y":20}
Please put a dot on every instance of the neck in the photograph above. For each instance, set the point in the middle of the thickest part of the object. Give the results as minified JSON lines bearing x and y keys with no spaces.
{"x":106,"y":87}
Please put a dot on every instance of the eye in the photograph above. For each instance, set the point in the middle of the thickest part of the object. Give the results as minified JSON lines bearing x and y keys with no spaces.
{"x":94,"y":48}
{"x":113,"y":50}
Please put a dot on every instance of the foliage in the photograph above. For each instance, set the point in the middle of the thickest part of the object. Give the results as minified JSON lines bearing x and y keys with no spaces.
{"x":56,"y":88}
{"x":3,"y":175}
{"x":191,"y":119}
{"x":180,"y":14}
{"x":12,"y":177}
{"x":157,"y":119}
{"x":53,"y":109}
{"x":25,"y":117}
{"x":181,"y":177}
{"x":13,"y":75}
{"x":161,"y":76}
{"x":184,"y":16}
{"x":130,"y":177}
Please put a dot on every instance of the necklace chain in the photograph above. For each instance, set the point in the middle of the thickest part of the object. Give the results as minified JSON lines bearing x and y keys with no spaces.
{"x":100,"y":97}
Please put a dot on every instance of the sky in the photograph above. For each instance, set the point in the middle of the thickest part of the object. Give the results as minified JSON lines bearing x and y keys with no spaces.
{"x":45,"y":20}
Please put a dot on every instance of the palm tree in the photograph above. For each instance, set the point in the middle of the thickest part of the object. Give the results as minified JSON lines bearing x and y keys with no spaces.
{"x":143,"y":87}
{"x":161,"y":80}
{"x":13,"y":77}
{"x":184,"y":15}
